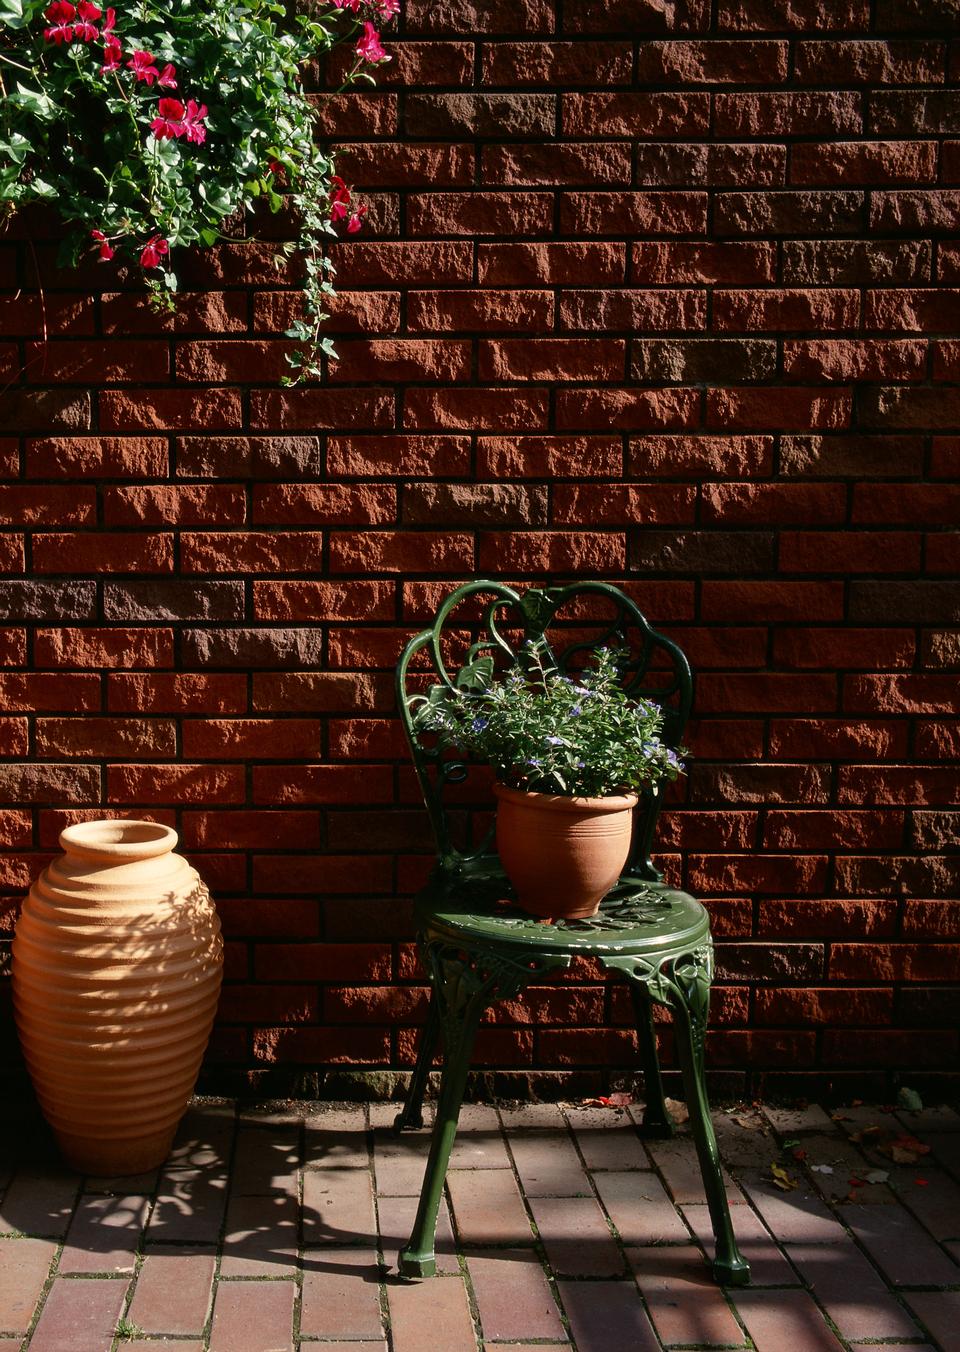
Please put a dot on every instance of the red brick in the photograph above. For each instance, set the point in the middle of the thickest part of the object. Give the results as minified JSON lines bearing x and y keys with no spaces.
{"x":843,"y":360}
{"x":629,"y":409}
{"x":713,"y":62}
{"x":787,"y":114}
{"x":195,"y":312}
{"x":874,"y":162}
{"x":769,"y":410}
{"x":101,"y":737}
{"x":321,"y":600}
{"x":194,"y":504}
{"x":510,"y":214}
{"x":113,"y":647}
{"x":553,"y":551}
{"x":849,"y":551}
{"x":787,"y":308}
{"x":825,"y":737}
{"x":283,"y":410}
{"x":645,"y":504}
{"x":556,"y":64}
{"x":648,"y":213}
{"x":173,"y":409}
{"x":836,"y":918}
{"x":509,"y":311}
{"x":401,"y":359}
{"x":557,"y":264}
{"x":51,"y":505}
{"x":103,"y":552}
{"x":782,"y":14}
{"x":894,"y":784}
{"x":635,"y":114}
{"x":855,"y":61}
{"x":849,"y":648}
{"x":567,"y":164}
{"x":906,"y":694}
{"x":406,"y":456}
{"x":175,"y":783}
{"x":556,"y":359}
{"x":497,"y":410}
{"x":549,"y":457}
{"x":86,"y":362}
{"x":918,"y":309}
{"x":286,"y":784}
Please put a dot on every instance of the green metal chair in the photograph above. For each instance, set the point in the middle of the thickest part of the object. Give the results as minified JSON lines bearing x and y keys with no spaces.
{"x":478,"y":948}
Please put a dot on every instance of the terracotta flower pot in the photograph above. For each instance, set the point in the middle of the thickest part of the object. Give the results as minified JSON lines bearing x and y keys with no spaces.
{"x":562,"y":854}
{"x":117,"y":963}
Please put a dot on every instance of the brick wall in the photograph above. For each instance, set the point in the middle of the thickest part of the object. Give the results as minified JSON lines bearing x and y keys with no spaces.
{"x":652,"y":292}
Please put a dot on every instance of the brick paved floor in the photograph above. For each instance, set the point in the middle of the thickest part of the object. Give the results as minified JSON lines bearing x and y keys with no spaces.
{"x":274,"y":1231}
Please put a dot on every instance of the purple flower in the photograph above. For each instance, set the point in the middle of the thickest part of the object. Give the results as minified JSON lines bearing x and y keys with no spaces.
{"x":479,"y":724}
{"x":555,"y":741}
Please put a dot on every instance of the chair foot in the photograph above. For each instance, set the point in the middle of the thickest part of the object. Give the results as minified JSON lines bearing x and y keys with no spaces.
{"x":413,"y":1266}
{"x":407,"y":1121}
{"x":731,"y":1271}
{"x":657,"y":1129}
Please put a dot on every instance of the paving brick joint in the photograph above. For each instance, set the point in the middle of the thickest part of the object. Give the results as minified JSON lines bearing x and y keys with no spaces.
{"x":276,"y":1229}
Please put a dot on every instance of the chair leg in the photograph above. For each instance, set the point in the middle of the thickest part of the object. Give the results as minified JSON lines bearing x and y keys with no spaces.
{"x":417,"y":1257}
{"x":410,"y":1116}
{"x":657,"y":1122}
{"x":689,"y":1006}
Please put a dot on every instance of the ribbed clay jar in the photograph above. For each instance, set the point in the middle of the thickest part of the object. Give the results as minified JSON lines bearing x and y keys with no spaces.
{"x":117,"y":963}
{"x":562,"y":854}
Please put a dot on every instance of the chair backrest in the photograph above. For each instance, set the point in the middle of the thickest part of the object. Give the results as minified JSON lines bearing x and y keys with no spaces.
{"x":495,"y":621}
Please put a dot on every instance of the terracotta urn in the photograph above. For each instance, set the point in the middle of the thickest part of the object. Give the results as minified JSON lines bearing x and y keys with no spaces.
{"x":117,"y":963}
{"x":562,"y":854}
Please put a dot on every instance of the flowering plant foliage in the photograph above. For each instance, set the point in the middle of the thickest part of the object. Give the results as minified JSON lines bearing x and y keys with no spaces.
{"x":546,"y":732}
{"x":150,"y":124}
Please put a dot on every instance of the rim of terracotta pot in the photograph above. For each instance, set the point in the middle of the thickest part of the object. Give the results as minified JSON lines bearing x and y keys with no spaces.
{"x":118,"y":840}
{"x":560,"y":802}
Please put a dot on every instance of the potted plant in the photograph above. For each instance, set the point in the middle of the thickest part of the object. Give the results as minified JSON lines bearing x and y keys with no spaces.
{"x":570,"y":755}
{"x":151,"y":125}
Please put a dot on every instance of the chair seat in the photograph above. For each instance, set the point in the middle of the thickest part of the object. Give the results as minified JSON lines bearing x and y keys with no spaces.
{"x":477,"y":904}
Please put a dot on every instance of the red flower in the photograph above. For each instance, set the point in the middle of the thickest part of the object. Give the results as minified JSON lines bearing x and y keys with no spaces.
{"x":156,"y":247}
{"x":387,"y":9}
{"x":169,"y":124}
{"x":369,"y":46}
{"x":352,"y":5}
{"x":106,"y":251}
{"x":339,"y":199}
{"x":141,"y":63}
{"x":112,"y":53}
{"x":193,"y":122}
{"x":110,"y":22}
{"x":355,"y":222}
{"x":87,"y":29}
{"x":167,"y":77}
{"x":61,"y":15}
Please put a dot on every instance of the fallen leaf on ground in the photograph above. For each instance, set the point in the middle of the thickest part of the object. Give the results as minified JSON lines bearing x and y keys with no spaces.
{"x":677,"y":1110}
{"x":910,"y":1100}
{"x":921,"y":1182}
{"x":782,"y":1179}
{"x":748,"y":1123}
{"x":609,"y":1101}
{"x":821,"y":1168}
{"x":876,"y":1176}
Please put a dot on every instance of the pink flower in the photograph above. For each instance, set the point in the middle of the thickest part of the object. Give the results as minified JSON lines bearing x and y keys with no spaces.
{"x":112,"y":53}
{"x":106,"y":252}
{"x":141,"y":63}
{"x":167,"y":77}
{"x":352,"y":5}
{"x":369,"y":46}
{"x":87,"y":29}
{"x":193,"y":122}
{"x":61,"y":15}
{"x":110,"y":22}
{"x":168,"y":124}
{"x":387,"y":9}
{"x":339,"y":199}
{"x":156,"y":247}
{"x":355,"y":222}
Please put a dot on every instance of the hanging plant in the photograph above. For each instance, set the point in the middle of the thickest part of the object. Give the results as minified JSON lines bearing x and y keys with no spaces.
{"x":148,"y":126}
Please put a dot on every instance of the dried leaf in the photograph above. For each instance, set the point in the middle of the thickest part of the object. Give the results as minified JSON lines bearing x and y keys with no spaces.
{"x":677,"y":1110}
{"x":782,"y":1179}
{"x":908,"y":1142}
{"x":901,"y":1156}
{"x":876,"y":1176}
{"x":748,"y":1123}
{"x":821,"y":1168}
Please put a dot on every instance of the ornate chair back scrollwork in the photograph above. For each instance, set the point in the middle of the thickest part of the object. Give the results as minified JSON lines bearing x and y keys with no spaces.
{"x":477,"y":948}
